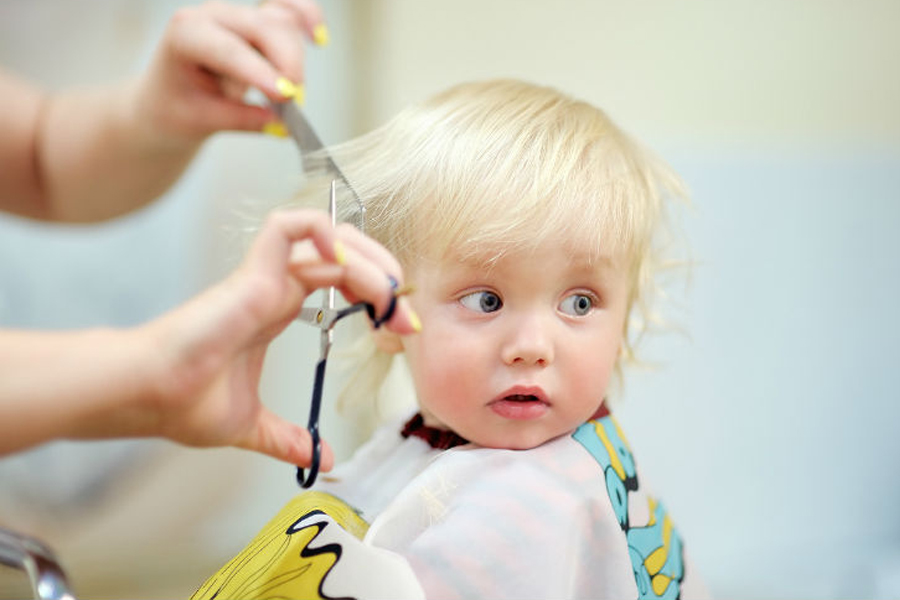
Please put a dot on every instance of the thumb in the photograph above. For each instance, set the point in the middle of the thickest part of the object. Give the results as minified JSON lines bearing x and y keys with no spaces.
{"x":285,"y":441}
{"x":232,"y":115}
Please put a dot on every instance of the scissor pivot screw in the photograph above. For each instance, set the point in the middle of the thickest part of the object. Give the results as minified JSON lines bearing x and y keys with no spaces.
{"x":319,"y":316}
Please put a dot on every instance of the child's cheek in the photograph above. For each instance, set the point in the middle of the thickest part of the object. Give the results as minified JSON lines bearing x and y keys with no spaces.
{"x":449,"y":372}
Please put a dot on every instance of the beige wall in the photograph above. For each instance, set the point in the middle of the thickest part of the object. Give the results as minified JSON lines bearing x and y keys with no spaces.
{"x":708,"y":73}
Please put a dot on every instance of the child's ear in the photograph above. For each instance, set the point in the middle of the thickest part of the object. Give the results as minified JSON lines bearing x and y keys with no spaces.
{"x":387,"y":341}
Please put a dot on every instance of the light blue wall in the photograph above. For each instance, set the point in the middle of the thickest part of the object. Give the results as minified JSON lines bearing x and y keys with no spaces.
{"x":771,"y":427}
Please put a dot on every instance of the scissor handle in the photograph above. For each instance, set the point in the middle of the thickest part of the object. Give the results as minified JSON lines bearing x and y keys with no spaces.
{"x":313,"y":428}
{"x":370,"y":308}
{"x":307,"y":482}
{"x":315,"y":405}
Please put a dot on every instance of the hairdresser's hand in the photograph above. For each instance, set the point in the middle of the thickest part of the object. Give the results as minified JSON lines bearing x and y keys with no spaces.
{"x":212,"y":349}
{"x":209,"y":56}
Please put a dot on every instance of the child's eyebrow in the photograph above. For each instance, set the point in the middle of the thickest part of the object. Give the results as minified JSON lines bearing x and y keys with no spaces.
{"x":594,"y":263}
{"x":581,"y":263}
{"x":604,"y":270}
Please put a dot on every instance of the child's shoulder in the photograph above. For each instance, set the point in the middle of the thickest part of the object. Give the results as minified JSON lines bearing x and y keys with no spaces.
{"x":537,"y":523}
{"x":574,"y":500}
{"x":577,"y":459}
{"x":556,"y":486}
{"x":569,"y":472}
{"x":558,"y":462}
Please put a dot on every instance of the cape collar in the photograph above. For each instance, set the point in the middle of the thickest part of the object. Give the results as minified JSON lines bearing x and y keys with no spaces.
{"x":443,"y":439}
{"x":439,"y":439}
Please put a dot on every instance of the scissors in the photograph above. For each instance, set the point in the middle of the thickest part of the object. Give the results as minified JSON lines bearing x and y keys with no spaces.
{"x":327,"y":315}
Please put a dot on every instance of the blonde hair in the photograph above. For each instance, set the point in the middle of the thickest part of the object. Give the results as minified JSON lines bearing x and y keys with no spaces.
{"x":490,"y":167}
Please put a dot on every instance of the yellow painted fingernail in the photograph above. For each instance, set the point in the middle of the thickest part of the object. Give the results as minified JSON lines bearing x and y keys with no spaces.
{"x":415,"y":321}
{"x":320,"y":35}
{"x":340,"y":254}
{"x":275,"y":128}
{"x":405,"y":290}
{"x":285,"y":87}
{"x":299,"y":94}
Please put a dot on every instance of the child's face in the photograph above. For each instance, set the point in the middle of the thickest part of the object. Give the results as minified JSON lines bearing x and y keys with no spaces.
{"x":515,"y":355}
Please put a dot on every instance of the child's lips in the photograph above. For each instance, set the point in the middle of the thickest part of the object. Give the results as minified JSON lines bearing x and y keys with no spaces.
{"x":521,"y":403}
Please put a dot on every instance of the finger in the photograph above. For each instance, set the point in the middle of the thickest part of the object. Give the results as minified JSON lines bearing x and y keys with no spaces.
{"x":200,"y":40}
{"x":284,"y":228}
{"x":313,"y":272}
{"x":354,"y":238}
{"x":216,"y":113}
{"x":272,"y":30}
{"x":366,"y":275}
{"x":285,"y":441}
{"x":356,"y":265}
{"x":404,"y":319}
{"x":267,"y":265}
{"x":308,"y":15}
{"x":232,"y":88}
{"x":364,"y":279}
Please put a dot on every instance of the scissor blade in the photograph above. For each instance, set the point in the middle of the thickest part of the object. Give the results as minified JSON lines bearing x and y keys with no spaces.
{"x":308,"y":142}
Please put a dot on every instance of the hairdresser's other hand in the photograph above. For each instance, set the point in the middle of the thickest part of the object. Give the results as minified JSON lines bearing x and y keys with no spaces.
{"x":212,"y":348}
{"x":210,"y":54}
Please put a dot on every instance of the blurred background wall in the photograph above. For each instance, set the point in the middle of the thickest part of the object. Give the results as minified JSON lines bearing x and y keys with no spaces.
{"x":767,"y":427}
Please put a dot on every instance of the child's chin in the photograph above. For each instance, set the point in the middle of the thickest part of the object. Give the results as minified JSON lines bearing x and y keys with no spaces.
{"x":520,"y":441}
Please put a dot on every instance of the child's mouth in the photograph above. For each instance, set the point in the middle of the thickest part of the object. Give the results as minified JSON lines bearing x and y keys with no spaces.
{"x":522,"y":398}
{"x":520,"y":406}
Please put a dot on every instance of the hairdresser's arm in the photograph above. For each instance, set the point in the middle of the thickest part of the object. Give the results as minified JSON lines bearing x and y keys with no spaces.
{"x":96,"y":153}
{"x":192,"y":375}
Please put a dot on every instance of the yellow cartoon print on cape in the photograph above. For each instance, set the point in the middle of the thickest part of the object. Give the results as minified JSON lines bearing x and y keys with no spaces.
{"x":298,"y":555}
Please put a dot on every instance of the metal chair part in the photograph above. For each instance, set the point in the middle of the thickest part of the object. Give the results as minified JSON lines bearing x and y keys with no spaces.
{"x":30,"y":555}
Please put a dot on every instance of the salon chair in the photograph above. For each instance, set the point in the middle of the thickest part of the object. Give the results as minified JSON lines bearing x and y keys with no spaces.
{"x":48,"y":581}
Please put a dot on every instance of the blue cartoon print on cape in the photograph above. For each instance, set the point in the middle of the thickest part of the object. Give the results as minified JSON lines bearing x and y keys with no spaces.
{"x":655,"y":547}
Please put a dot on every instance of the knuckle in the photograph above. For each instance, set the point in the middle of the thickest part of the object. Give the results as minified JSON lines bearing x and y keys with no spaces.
{"x":276,"y":219}
{"x":213,"y":5}
{"x":345,"y":228}
{"x":182,"y":15}
{"x":311,"y":10}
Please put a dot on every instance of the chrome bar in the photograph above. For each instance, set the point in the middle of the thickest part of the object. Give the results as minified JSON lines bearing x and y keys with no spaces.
{"x":48,"y":580}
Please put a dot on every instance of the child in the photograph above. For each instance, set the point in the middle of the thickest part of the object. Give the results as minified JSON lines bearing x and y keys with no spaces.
{"x":527,"y":222}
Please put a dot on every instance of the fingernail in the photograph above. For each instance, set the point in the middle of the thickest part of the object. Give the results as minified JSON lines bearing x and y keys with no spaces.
{"x":275,"y":128}
{"x":340,"y":254}
{"x":285,"y":87}
{"x":405,"y":289}
{"x":299,"y":94}
{"x":320,"y":35}
{"x":415,"y":321}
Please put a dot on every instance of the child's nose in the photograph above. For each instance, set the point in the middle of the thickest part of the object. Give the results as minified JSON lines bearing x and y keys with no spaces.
{"x":529,"y":342}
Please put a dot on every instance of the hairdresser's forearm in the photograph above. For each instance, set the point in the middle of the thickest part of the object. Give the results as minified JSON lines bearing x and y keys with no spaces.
{"x":79,"y":385}
{"x":97,"y":158}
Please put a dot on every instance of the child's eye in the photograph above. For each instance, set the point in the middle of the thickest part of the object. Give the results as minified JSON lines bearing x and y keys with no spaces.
{"x":577,"y":305}
{"x":483,"y":301}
